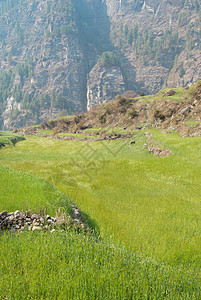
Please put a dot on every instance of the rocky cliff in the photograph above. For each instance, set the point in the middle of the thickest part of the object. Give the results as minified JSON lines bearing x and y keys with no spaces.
{"x":159,"y":41}
{"x":50,"y":53}
{"x":103,"y":84}
{"x":42,"y":49}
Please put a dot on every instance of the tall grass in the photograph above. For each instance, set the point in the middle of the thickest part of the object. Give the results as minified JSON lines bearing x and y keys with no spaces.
{"x":151,"y":205}
{"x":22,"y":191}
{"x":9,"y":138}
{"x":70,"y":266}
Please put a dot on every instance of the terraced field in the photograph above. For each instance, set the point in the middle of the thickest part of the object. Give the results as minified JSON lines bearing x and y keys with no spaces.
{"x":145,"y":209}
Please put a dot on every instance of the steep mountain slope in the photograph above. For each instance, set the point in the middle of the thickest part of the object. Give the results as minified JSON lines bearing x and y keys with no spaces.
{"x":47,"y":48}
{"x":53,"y":59}
{"x":159,"y":41}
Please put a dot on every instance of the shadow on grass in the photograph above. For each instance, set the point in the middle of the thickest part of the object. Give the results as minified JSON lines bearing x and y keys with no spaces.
{"x":94,"y":228}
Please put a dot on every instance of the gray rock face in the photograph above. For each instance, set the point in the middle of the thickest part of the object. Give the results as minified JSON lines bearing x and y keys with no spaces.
{"x":58,"y":59}
{"x":64,"y":47}
{"x":103,"y":84}
{"x":61,"y":69}
{"x":10,"y":107}
{"x":146,"y":72}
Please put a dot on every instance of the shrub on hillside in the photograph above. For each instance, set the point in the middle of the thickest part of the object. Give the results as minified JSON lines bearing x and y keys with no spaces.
{"x":130,"y":94}
{"x":102,"y":119}
{"x":132,"y":113}
{"x":123,"y":102}
{"x":195,"y":91}
{"x":108,"y":58}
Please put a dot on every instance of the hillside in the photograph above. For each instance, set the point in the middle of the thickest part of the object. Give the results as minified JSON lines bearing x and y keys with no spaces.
{"x":68,"y":56}
{"x":170,"y":109}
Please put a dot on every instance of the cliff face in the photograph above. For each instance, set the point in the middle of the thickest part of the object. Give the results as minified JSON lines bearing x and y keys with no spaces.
{"x":156,"y":38}
{"x":50,"y":52}
{"x":103,"y":84}
{"x":158,"y":43}
{"x":43,"y":38}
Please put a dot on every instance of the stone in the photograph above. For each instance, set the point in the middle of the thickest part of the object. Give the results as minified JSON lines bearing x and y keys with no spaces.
{"x":50,"y":221}
{"x":4,"y":213}
{"x":16,"y":213}
{"x":10,"y":214}
{"x":103,"y":84}
{"x":34,"y":216}
{"x":18,"y":221}
{"x":42,"y":220}
{"x":34,"y":228}
{"x":27,"y":213}
{"x":185,"y":111}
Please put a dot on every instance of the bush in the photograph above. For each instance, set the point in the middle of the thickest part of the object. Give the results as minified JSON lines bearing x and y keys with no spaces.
{"x":132,"y":113}
{"x":130,"y":94}
{"x":121,"y":100}
{"x":102,"y":119}
{"x":108,"y":58}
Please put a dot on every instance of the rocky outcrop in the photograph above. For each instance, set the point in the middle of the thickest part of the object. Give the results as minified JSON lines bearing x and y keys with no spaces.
{"x":46,"y":40}
{"x":188,"y":67}
{"x":11,"y":107}
{"x":103,"y":84}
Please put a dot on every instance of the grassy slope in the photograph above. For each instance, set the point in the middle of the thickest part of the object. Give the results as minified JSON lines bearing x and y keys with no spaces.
{"x":149,"y":203}
{"x":9,"y":138}
{"x":70,"y":266}
{"x":21,"y":191}
{"x":176,"y":108}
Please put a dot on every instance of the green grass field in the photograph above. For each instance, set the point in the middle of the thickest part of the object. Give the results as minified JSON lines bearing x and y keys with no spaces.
{"x":179,"y":94}
{"x":21,"y":191}
{"x":147,"y":210}
{"x":72,"y":266}
{"x":9,"y":138}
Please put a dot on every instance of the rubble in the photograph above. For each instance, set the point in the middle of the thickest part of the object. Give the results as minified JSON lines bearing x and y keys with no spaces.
{"x":152,"y":147}
{"x":19,"y":221}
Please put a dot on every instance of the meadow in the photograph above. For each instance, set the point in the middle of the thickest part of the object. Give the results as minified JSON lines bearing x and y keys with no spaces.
{"x":146,"y":210}
{"x":9,"y":138}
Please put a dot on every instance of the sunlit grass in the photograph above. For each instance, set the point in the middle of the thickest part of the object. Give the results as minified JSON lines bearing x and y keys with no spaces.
{"x":76,"y":135}
{"x":22,"y":191}
{"x":70,"y":266}
{"x":94,"y":129}
{"x":151,"y":204}
{"x":192,"y":123}
{"x":46,"y":131}
{"x":9,"y":138}
{"x":161,"y":95}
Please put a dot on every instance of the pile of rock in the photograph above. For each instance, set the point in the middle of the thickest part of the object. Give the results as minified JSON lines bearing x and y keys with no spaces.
{"x":152,"y":147}
{"x":17,"y":220}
